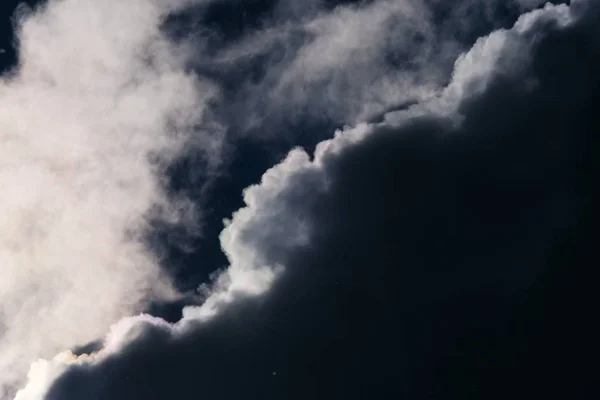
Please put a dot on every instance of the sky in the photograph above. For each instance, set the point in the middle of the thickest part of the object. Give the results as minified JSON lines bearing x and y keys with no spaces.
{"x":281,"y":200}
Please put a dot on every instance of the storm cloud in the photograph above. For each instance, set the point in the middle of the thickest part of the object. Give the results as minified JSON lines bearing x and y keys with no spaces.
{"x":401,"y":257}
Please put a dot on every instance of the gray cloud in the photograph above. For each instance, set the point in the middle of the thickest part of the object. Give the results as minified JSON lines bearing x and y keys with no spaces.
{"x":265,"y":238}
{"x":346,"y":64}
{"x":339,"y":63}
{"x":86,"y":111}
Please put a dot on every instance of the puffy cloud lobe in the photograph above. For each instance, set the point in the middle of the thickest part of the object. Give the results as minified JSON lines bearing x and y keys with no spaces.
{"x":97,"y":106}
{"x":404,"y":245}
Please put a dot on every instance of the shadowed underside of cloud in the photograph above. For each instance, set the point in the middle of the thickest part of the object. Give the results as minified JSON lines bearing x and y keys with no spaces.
{"x":101,"y":101}
{"x":396,"y":260}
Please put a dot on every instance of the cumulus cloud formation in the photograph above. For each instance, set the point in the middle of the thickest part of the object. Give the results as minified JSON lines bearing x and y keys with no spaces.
{"x":388,"y":262}
{"x":98,"y":104}
{"x":396,"y":260}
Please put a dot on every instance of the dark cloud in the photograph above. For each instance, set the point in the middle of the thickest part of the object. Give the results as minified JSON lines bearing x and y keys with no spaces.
{"x":446,"y":260}
{"x":285,"y":82}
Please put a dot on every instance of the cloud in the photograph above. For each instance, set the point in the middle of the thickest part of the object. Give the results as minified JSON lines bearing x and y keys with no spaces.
{"x":289,"y":75}
{"x":374,"y":56}
{"x":397,"y":247}
{"x":98,"y":105}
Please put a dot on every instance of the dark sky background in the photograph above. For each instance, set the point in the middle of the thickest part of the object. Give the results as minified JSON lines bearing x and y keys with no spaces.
{"x":445,"y":262}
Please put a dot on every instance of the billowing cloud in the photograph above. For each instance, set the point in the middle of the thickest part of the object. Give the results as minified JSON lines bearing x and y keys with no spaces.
{"x":98,"y":105}
{"x":387,"y":263}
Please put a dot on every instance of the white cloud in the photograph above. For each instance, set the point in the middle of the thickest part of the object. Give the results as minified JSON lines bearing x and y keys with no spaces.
{"x":97,"y":106}
{"x":268,"y":224}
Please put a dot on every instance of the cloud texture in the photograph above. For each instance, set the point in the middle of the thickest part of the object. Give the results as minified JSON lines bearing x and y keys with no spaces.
{"x":97,"y":106}
{"x":393,"y":261}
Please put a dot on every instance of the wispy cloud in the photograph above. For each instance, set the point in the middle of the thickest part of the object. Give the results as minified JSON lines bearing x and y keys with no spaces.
{"x":267,"y":238}
{"x":98,"y":105}
{"x":102,"y":102}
